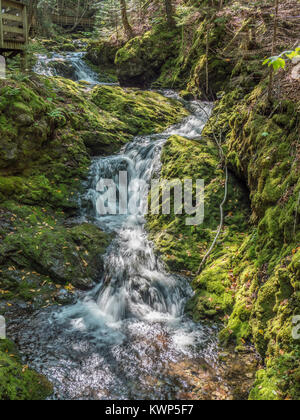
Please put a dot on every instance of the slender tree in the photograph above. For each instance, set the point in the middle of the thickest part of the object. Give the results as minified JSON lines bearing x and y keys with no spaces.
{"x":169,"y":12}
{"x":271,"y":79}
{"x":127,"y":27}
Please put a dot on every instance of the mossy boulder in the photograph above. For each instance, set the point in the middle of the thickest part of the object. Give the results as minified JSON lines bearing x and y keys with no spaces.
{"x":141,"y":112}
{"x":102,"y":53}
{"x":17,"y":381}
{"x":40,"y":255}
{"x":63,"y":68}
{"x":140,"y":61}
{"x":65,"y":255}
{"x":262,"y":148}
{"x":50,"y":128}
{"x":183,"y":246}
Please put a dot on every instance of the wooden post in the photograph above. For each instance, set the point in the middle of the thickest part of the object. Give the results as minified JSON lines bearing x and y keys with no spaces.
{"x":25,"y":23}
{"x":25,"y":34}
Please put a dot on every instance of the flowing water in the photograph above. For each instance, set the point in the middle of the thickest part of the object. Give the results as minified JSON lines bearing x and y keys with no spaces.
{"x":129,"y":337}
{"x":70,"y":64}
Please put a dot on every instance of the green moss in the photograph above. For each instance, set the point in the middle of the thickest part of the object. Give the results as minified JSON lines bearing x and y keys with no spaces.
{"x":142,"y":112}
{"x":44,"y":158}
{"x":280,"y":380}
{"x":213,"y":296}
{"x":42,"y":251}
{"x":102,"y":53}
{"x":18,"y":382}
{"x":183,"y":247}
{"x":139,"y":62}
{"x":265,"y":387}
{"x":267,"y":296}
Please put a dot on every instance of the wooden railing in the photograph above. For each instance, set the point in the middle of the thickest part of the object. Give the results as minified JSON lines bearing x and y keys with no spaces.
{"x":13,"y":25}
{"x":72,"y":20}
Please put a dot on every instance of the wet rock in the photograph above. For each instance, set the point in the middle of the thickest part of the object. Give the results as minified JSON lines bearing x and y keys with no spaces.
{"x":63,"y":69}
{"x":65,"y":297}
{"x":99,"y":143}
{"x":239,"y":371}
{"x":101,"y":53}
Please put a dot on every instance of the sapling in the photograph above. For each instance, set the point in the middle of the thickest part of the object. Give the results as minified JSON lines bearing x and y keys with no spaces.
{"x":278,"y":62}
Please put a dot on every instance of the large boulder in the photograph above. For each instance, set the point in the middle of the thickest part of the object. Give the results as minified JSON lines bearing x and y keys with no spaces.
{"x":141,"y":112}
{"x":66,"y":255}
{"x":102,"y":53}
{"x":63,"y":68}
{"x":140,"y":61}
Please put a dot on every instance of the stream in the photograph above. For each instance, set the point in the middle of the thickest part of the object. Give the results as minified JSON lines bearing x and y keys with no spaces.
{"x":70,"y":65}
{"x":129,"y":337}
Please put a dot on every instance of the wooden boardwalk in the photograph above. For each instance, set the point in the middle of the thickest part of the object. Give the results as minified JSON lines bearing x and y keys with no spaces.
{"x":70,"y":21}
{"x":13,"y":27}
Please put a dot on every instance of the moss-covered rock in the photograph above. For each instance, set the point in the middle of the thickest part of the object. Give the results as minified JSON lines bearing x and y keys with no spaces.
{"x":102,"y":53}
{"x":17,"y":381}
{"x":183,"y":247}
{"x":141,"y":112}
{"x":49,"y":129}
{"x":161,"y":57}
{"x":140,"y":61}
{"x":262,"y":147}
{"x":63,"y":255}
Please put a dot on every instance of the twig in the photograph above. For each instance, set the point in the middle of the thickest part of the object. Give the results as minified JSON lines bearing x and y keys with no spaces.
{"x":296,"y":215}
{"x":222,"y":157}
{"x":207,"y":60}
{"x":220,"y":226}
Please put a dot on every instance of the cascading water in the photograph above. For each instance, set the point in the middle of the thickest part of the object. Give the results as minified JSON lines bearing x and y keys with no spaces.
{"x":136,"y":283}
{"x":129,"y":337}
{"x":70,"y":65}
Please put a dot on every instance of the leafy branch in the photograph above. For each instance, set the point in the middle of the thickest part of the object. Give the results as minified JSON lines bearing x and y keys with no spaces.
{"x":279,"y":61}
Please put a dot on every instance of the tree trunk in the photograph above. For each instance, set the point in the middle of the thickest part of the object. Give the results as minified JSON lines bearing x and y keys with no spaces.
{"x":271,"y":77}
{"x":127,"y":27}
{"x":169,"y":13}
{"x":32,"y":13}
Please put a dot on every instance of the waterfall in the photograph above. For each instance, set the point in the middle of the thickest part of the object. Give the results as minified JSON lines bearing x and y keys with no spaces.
{"x":70,"y":65}
{"x":136,"y":283}
{"x":129,"y":337}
